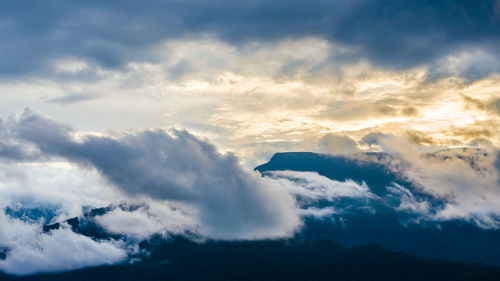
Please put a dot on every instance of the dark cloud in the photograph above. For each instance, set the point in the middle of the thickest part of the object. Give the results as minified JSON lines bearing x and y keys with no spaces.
{"x":419,"y":138}
{"x":231,"y":202}
{"x":395,"y":34}
{"x":471,"y":132}
{"x":386,"y":110}
{"x":69,"y":99}
{"x":12,"y":149}
{"x":409,"y":111}
{"x":492,"y":105}
{"x":347,"y":110}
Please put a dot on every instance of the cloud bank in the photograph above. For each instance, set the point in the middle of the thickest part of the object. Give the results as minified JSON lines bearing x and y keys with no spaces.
{"x":30,"y":251}
{"x":177,"y":166}
{"x":465,"y":177}
{"x":188,"y":186}
{"x":116,"y":33}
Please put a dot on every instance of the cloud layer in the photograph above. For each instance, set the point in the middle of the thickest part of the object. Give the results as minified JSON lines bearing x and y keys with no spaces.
{"x":116,"y":33}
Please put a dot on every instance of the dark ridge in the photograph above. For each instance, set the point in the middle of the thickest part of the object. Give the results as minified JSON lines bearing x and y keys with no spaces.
{"x":86,"y":224}
{"x":49,"y":227}
{"x":3,"y":253}
{"x":73,"y":222}
{"x":456,"y":240}
{"x":181,"y":259}
{"x":370,"y":168}
{"x":99,"y":211}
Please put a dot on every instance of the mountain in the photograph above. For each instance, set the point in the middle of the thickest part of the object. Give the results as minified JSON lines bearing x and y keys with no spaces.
{"x":380,"y":220}
{"x":368,"y":168}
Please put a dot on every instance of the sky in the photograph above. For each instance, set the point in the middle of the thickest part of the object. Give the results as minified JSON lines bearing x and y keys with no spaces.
{"x":173,"y":103}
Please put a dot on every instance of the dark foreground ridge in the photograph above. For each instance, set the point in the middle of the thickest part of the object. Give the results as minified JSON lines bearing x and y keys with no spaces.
{"x":181,"y":259}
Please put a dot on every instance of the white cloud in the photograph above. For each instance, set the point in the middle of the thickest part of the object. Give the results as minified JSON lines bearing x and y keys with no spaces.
{"x":230,"y":202}
{"x":407,"y":200}
{"x":154,"y":218}
{"x":315,"y":187}
{"x":31,"y":251}
{"x":319,"y":213}
{"x":61,"y":186}
{"x":466,"y":177}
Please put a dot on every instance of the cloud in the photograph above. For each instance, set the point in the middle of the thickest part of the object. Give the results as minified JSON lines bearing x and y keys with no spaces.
{"x":68,"y":99}
{"x":385,"y":141}
{"x":312,"y":186}
{"x":419,"y":180}
{"x":465,"y":176}
{"x":241,"y":97}
{"x":420,"y":138}
{"x":319,"y":213}
{"x":117,"y":33}
{"x":492,"y":105}
{"x":482,"y":143}
{"x":338,"y":144}
{"x":38,"y":192}
{"x":142,"y":223}
{"x":30,"y":251}
{"x":34,"y":194}
{"x":59,"y":187}
{"x":231,"y":203}
{"x":473,"y":190}
{"x":408,"y":202}
{"x":410,"y":111}
{"x":10,"y":148}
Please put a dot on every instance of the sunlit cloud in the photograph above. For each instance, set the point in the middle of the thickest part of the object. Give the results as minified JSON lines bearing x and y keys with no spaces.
{"x":290,"y":92}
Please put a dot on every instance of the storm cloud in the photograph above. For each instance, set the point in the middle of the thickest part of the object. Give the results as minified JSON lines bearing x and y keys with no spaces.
{"x":393,"y":34}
